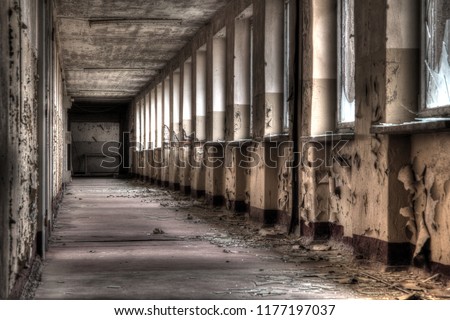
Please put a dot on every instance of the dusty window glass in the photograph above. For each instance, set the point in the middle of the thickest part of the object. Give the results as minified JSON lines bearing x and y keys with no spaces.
{"x":437,"y":63}
{"x":346,"y":81}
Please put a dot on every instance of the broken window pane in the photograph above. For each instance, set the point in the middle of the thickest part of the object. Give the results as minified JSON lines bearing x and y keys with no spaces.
{"x":437,"y":64}
{"x":347,"y":63}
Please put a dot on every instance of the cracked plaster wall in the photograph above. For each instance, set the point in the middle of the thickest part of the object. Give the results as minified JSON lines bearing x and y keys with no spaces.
{"x":431,"y":195}
{"x":22,"y":144}
{"x":21,"y":151}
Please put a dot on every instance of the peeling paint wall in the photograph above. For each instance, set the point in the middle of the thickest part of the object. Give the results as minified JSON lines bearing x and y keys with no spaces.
{"x":428,"y":182}
{"x":359,"y":194}
{"x":59,"y":130}
{"x":21,"y":206}
{"x":22,"y":144}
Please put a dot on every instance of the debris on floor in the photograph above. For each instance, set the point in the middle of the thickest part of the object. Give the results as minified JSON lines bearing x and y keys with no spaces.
{"x":333,"y":262}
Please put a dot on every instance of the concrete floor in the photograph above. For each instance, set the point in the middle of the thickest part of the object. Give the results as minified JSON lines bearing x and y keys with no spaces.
{"x":108,"y":244}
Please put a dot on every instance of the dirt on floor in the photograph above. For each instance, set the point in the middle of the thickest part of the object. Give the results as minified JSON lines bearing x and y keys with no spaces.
{"x":316,"y":260}
{"x":318,"y":268}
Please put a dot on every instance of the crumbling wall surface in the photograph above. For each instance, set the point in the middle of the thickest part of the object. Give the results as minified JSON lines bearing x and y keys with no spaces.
{"x":4,"y":155}
{"x":341,"y":195}
{"x":370,"y":165}
{"x":22,"y":139}
{"x":284,"y":180}
{"x":326,"y":188}
{"x":197,"y":172}
{"x":58,"y":132}
{"x":230,"y":177}
{"x":428,"y":180}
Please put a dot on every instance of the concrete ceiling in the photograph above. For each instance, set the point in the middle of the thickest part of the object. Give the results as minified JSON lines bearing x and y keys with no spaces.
{"x":112,"y":48}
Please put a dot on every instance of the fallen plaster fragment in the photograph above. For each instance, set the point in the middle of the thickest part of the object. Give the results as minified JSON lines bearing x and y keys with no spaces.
{"x":158,"y":231}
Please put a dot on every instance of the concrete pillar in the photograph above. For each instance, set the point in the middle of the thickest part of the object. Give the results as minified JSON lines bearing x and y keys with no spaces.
{"x":378,"y":228}
{"x":4,"y":156}
{"x":214,"y":150}
{"x":268,"y":85}
{"x":197,"y":167}
{"x":166,"y":112}
{"x":268,"y":67}
{"x":167,"y":133}
{"x":214,"y":159}
{"x":142,"y":152}
{"x":324,"y":96}
{"x":187,"y":98}
{"x":185,"y":148}
{"x":217,"y":129}
{"x":200,"y":95}
{"x":157,"y":155}
{"x":153,"y":129}
{"x":238,"y":109}
{"x":319,"y":112}
{"x":159,"y":115}
{"x":147,"y":170}
{"x":174,"y":160}
{"x":137,"y":139}
{"x":147,"y":121}
{"x":176,"y":105}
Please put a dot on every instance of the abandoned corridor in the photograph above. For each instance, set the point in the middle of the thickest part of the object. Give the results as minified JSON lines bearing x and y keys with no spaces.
{"x":302,"y":124}
{"x":124,"y":239}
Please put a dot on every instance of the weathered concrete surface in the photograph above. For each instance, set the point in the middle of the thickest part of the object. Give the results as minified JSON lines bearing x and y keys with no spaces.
{"x":108,"y":244}
{"x":430,"y":159}
{"x":4,"y":156}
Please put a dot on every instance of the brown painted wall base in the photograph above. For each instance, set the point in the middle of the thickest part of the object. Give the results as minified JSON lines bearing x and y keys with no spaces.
{"x":174,"y":186}
{"x":214,"y":201}
{"x":237,"y":206}
{"x":197,"y":193}
{"x":165,"y":184}
{"x":322,"y":230}
{"x":397,"y":254}
{"x":441,"y":269}
{"x":186,"y":190}
{"x":283,"y":218}
{"x":24,"y":274}
{"x":266,"y":217}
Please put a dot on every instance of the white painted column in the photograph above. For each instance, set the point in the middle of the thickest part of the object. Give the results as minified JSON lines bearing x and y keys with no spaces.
{"x":219,"y":88}
{"x":268,"y":67}
{"x":167,"y":127}
{"x":142,"y":126}
{"x":159,"y":115}
{"x":147,"y":121}
{"x":187,"y":98}
{"x":137,"y":119}
{"x":176,"y":103}
{"x":201,"y":95}
{"x":324,"y":92}
{"x":242,"y":81}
